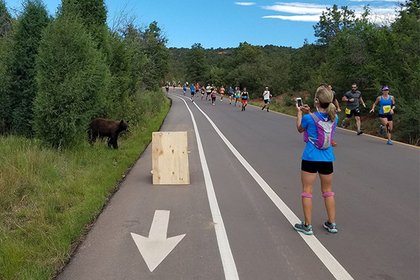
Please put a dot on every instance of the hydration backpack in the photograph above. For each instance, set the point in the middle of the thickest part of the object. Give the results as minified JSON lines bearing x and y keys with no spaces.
{"x":325,"y":129}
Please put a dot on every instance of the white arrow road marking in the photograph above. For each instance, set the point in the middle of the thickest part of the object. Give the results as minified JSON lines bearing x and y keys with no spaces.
{"x":156,"y":247}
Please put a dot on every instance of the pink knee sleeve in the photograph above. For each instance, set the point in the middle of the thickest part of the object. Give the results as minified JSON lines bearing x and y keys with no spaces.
{"x":327,"y":194}
{"x":308,"y":195}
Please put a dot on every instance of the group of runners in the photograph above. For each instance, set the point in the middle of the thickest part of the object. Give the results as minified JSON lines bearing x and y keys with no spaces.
{"x":318,"y":128}
{"x":235,"y":95}
{"x":353,"y":99}
{"x":210,"y":92}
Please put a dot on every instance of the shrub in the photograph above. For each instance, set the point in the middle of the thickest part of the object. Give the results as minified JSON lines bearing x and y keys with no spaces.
{"x":72,"y":79}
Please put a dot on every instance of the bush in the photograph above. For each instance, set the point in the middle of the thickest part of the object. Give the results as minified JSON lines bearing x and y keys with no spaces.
{"x":288,"y":100}
{"x":72,"y":79}
{"x":406,"y":121}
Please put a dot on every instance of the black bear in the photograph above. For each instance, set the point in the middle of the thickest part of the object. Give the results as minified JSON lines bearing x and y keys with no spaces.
{"x":109,"y":128}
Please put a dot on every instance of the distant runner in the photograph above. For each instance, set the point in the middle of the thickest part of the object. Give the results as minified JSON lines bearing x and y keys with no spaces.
{"x":237,"y":95}
{"x":213,"y":96}
{"x":230,"y":92}
{"x":267,"y":96}
{"x":353,"y":97}
{"x":222,"y":93}
{"x":244,"y":96}
{"x":192,"y":92}
{"x":386,"y":111}
{"x":208,"y":91}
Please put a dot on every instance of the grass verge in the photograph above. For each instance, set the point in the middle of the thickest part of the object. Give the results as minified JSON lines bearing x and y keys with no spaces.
{"x":48,"y":198}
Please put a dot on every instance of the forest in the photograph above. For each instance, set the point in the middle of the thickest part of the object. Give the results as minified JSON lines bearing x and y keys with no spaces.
{"x":58,"y":73}
{"x":348,"y":50}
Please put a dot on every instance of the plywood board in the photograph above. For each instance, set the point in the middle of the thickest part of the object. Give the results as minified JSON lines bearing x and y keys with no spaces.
{"x":170,"y":158}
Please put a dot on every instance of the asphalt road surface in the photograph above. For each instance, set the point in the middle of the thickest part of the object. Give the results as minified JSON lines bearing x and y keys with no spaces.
{"x":234,"y":221}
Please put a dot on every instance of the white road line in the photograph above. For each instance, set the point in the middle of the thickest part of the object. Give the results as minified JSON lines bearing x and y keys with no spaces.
{"x":323,"y":254}
{"x":229,"y":266}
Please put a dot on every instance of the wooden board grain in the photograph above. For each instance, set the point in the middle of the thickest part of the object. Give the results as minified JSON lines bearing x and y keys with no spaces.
{"x":170,"y":158}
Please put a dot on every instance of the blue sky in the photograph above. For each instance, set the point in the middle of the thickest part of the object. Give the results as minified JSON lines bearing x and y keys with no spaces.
{"x":226,"y":23}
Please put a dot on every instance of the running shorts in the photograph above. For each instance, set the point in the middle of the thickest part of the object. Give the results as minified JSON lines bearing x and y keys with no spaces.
{"x":322,"y":167}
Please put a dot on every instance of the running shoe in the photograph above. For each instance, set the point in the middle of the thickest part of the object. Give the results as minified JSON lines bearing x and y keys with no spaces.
{"x":359,"y":132}
{"x":342,"y":124}
{"x":333,"y":143}
{"x":331,"y":227}
{"x":306,"y":229}
{"x":268,"y":110}
{"x":389,"y":142}
{"x":381,"y":130}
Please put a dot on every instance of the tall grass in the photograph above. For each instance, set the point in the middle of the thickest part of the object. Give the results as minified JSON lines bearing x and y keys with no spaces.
{"x":48,"y":197}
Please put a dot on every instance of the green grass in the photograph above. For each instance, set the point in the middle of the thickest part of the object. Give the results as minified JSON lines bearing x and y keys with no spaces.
{"x":49,"y":197}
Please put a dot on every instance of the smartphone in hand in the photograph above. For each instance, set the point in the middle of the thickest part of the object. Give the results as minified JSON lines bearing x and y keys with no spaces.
{"x":299,"y":101}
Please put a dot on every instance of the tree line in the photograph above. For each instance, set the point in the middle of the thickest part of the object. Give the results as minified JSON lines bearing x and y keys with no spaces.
{"x":349,"y":50}
{"x":58,"y":73}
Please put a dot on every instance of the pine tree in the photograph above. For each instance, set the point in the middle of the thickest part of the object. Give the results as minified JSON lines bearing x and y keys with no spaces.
{"x":6,"y":22}
{"x":23,"y":88}
{"x":72,"y":78}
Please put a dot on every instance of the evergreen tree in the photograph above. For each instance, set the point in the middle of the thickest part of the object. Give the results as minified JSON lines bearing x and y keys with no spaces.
{"x":93,"y":15}
{"x":157,"y":65}
{"x":72,"y":78}
{"x":333,"y":22}
{"x":6,"y":22}
{"x":23,"y":88}
{"x":196,"y":64}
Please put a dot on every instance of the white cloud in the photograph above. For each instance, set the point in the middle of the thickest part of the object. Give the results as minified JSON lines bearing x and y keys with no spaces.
{"x":394,"y":1}
{"x":306,"y":18}
{"x":296,"y":8}
{"x":311,"y":12}
{"x":245,"y":3}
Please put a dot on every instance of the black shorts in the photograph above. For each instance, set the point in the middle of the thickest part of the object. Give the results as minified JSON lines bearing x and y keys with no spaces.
{"x":322,"y":167}
{"x":386,"y":116}
{"x":355,"y":112}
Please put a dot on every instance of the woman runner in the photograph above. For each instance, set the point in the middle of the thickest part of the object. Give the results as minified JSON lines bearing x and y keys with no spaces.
{"x":386,"y":110}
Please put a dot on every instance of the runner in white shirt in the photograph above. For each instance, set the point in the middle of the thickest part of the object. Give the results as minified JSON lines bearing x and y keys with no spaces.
{"x":267,"y":95}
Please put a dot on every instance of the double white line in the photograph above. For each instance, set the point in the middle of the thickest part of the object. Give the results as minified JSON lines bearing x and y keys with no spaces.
{"x":229,"y":266}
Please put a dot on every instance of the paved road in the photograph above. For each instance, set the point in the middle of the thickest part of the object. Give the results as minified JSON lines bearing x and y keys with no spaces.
{"x":251,"y":160}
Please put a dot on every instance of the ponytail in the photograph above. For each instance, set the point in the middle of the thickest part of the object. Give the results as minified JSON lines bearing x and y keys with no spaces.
{"x":331,"y":111}
{"x":325,"y":98}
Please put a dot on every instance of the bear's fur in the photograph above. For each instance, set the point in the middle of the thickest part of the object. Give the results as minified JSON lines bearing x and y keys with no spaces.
{"x":109,"y":128}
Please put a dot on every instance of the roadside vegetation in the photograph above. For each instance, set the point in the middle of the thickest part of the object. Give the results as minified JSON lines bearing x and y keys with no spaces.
{"x":57,"y":73}
{"x":348,"y":50}
{"x":48,"y":198}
